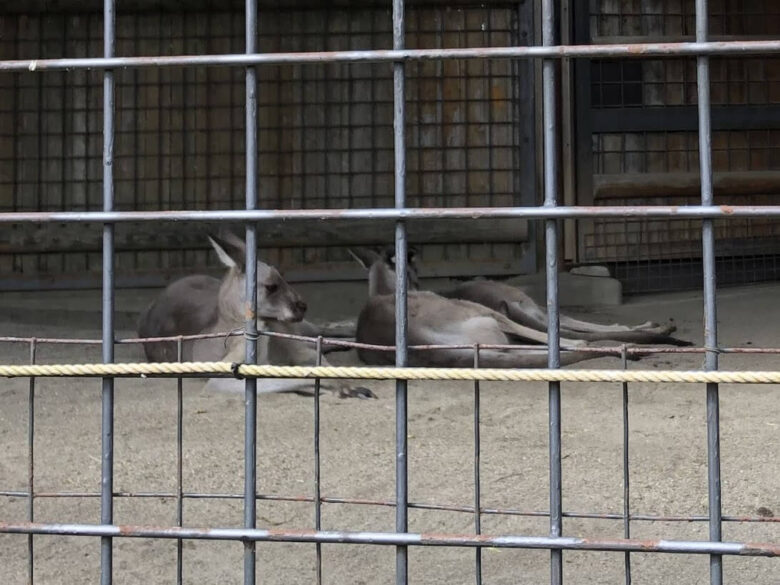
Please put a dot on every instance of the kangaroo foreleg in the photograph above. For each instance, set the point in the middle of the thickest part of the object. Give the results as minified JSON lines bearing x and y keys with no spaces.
{"x":345,"y":328}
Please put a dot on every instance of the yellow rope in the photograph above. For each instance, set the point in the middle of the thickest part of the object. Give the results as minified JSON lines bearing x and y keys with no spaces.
{"x":387,"y":373}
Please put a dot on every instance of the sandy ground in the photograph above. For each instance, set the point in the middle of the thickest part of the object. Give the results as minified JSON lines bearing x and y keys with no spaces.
{"x":668,"y":463}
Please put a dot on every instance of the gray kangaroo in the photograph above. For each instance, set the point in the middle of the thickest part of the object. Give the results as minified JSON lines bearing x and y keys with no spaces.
{"x":203,"y":304}
{"x":521,"y":308}
{"x":437,"y":320}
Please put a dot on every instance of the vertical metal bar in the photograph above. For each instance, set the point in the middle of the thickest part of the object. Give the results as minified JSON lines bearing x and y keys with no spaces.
{"x":401,"y":325}
{"x":107,"y":424}
{"x":250,"y":423}
{"x":551,"y":241}
{"x":626,"y":477}
{"x":179,"y":464}
{"x":709,"y":286}
{"x":31,"y":467}
{"x":317,"y":492}
{"x":477,"y":491}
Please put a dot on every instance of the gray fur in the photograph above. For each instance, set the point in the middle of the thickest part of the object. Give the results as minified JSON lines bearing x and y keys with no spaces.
{"x":437,"y":320}
{"x":202,"y":304}
{"x":521,"y":308}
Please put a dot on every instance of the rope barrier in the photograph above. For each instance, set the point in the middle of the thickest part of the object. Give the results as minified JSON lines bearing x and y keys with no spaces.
{"x":223,"y":369}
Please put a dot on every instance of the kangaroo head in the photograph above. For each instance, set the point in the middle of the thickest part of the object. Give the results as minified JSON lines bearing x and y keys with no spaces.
{"x":381,"y":269}
{"x":276,"y":299}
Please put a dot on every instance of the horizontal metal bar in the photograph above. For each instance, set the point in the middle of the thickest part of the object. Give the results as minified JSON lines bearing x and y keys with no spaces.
{"x":392,"y":214}
{"x":390,"y":538}
{"x":386,"y":56}
{"x":391,"y":503}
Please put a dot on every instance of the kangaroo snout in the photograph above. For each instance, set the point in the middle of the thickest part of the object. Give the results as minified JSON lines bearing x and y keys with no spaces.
{"x":293,"y":312}
{"x":297,"y":311}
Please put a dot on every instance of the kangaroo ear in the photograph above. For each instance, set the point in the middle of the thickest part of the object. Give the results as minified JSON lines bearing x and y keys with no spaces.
{"x":364,"y":256}
{"x":411,"y":255}
{"x":230,"y":238}
{"x":230,"y":250}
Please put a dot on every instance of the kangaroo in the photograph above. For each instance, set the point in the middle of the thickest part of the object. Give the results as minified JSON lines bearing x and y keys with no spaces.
{"x":521,"y":308}
{"x":203,"y":304}
{"x":437,"y":320}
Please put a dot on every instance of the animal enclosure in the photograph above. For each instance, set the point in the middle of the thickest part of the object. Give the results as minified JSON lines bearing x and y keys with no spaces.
{"x":414,"y":126}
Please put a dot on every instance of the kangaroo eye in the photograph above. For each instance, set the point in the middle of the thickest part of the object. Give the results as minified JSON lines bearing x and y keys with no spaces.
{"x":271,"y":288}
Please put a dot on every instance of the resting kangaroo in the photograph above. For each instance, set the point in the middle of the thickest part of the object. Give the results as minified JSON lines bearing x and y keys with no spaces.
{"x":436,"y":320}
{"x":203,"y":304}
{"x":521,"y":308}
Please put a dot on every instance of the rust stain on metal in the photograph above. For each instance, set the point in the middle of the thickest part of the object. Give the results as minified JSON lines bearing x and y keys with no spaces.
{"x":761,"y":549}
{"x":249,"y":313}
{"x":647,"y":545}
{"x":299,"y":499}
{"x":464,"y":538}
{"x":727,"y":209}
{"x":276,"y":534}
{"x":135,"y":530}
{"x":759,"y":518}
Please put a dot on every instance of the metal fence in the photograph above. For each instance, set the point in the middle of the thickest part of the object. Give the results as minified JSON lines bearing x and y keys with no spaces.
{"x":550,"y":53}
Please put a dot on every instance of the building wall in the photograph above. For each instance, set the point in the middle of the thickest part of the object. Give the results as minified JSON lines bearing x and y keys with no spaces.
{"x":649,"y":156}
{"x":325,"y":136}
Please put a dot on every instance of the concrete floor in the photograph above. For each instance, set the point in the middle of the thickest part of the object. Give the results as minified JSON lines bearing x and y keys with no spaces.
{"x":667,"y":454}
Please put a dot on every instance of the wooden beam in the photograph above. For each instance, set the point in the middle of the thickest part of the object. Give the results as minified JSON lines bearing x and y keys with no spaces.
{"x":648,"y":185}
{"x":27,"y":238}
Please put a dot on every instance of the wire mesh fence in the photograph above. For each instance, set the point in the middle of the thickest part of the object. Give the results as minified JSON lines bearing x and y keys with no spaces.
{"x":401,"y":538}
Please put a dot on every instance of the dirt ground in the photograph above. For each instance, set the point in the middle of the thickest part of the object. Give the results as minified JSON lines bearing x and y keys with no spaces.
{"x":667,"y":454}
